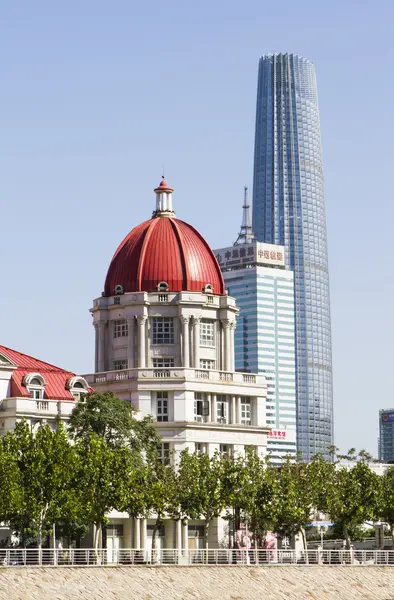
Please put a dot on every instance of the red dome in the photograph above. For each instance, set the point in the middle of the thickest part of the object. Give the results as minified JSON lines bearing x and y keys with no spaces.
{"x":164,"y":249}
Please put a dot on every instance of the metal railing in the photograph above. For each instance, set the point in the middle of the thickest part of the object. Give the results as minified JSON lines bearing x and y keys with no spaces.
{"x":89,"y":557}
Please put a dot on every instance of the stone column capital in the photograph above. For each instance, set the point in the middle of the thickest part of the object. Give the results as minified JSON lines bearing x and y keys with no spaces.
{"x":196,"y":320}
{"x":142,"y":319}
{"x":184,"y":319}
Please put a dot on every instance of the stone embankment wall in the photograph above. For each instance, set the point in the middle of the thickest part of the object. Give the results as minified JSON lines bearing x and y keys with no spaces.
{"x":198,"y":583}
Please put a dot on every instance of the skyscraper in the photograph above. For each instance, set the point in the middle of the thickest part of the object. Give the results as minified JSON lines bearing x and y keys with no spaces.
{"x":386,"y":435}
{"x":289,"y":209}
{"x":255,"y":275}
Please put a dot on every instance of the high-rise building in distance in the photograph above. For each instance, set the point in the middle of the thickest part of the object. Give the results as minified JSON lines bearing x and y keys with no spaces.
{"x":289,"y":209}
{"x":255,"y":275}
{"x":386,"y":435}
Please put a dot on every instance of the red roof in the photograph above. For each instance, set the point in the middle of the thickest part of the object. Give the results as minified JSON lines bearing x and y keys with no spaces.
{"x":164,"y":249}
{"x":163,"y":186}
{"x":54,"y":377}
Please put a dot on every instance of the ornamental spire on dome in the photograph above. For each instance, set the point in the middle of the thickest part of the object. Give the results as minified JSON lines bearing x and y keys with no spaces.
{"x":164,"y":200}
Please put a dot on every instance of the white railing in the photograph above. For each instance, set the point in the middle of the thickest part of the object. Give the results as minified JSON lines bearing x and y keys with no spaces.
{"x":176,"y":373}
{"x":10,"y":557}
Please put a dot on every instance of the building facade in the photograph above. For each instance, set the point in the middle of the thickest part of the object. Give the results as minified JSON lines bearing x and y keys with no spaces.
{"x":386,"y":435}
{"x":165,"y":342}
{"x":36,"y":391}
{"x":255,"y":275}
{"x":289,"y":210}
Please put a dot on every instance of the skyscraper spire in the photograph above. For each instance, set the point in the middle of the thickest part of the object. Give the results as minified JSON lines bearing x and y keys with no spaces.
{"x":246,"y":234}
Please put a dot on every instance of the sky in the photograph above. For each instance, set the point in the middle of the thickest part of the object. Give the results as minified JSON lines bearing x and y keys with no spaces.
{"x":97,"y":96}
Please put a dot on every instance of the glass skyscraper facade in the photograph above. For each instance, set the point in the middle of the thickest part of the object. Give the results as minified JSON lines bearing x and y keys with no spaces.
{"x":255,"y":275}
{"x":289,"y":209}
{"x":386,"y":435}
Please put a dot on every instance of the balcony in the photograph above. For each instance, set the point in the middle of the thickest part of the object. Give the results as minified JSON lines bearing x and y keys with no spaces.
{"x":177,"y":374}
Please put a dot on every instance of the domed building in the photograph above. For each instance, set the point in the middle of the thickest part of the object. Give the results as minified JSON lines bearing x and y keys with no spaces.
{"x":165,"y":342}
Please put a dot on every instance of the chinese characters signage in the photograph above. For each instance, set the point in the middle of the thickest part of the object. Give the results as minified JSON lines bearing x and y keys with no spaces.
{"x":255,"y":253}
{"x":275,"y":433}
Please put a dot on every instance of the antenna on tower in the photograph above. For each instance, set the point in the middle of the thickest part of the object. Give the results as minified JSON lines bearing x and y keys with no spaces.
{"x":246,"y":234}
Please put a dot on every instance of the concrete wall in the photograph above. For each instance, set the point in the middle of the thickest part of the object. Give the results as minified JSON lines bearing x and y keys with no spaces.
{"x":198,"y":583}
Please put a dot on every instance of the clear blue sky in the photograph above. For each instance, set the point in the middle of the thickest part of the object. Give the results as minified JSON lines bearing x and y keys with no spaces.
{"x":97,"y":96}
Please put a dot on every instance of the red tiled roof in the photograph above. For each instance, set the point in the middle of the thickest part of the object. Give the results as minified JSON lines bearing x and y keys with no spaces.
{"x":164,"y":249}
{"x":54,"y":377}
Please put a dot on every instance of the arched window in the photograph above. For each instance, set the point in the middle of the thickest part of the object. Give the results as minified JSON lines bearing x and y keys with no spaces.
{"x":162,"y":286}
{"x":118,"y":290}
{"x":35,"y":385}
{"x":208,"y":289}
{"x":78,"y":387}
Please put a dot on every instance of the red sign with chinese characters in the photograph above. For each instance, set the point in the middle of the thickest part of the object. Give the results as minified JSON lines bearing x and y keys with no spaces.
{"x":275,"y":433}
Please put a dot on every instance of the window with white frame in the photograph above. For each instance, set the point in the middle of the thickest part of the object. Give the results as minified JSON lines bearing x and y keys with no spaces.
{"x":246,"y":418}
{"x":221,"y":409}
{"x":205,"y":363}
{"x":200,"y":448}
{"x":36,"y":388}
{"x":162,"y":406}
{"x":225,"y":450}
{"x":163,"y":330}
{"x":120,"y":364}
{"x":163,"y":363}
{"x":120,"y":328}
{"x":163,"y":451}
{"x":207,"y":333}
{"x":201,"y":407}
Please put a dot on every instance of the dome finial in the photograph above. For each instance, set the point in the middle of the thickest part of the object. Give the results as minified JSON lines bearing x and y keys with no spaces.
{"x":163,"y":200}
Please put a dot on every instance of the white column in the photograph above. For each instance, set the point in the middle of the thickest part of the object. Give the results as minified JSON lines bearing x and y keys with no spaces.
{"x":196,"y":342}
{"x":178,"y":534}
{"x":238,"y":412}
{"x":101,"y":347}
{"x":137,"y":535}
{"x":227,"y":345}
{"x":233,"y":410}
{"x":232,"y":346}
{"x":185,"y":341}
{"x":141,"y":341}
{"x":144,"y":533}
{"x":130,"y":350}
{"x":213,"y":408}
{"x":185,"y":535}
{"x":209,"y":400}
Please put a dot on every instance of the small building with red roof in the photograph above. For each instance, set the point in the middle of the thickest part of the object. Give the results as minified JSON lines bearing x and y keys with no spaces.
{"x":34,"y":390}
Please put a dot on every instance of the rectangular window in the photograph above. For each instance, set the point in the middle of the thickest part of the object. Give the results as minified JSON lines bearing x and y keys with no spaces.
{"x":120,"y":364}
{"x":164,"y":453}
{"x":163,"y":330}
{"x":201,"y":408}
{"x":36,"y":394}
{"x":246,"y":411}
{"x":121,"y":328}
{"x":163,"y":363}
{"x":207,"y":364}
{"x":221,"y":410}
{"x":207,"y":333}
{"x":225,"y":450}
{"x":200,"y":448}
{"x":162,"y":406}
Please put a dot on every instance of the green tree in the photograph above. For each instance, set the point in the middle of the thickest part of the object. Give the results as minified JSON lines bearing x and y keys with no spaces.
{"x":201,"y":493}
{"x":386,"y":499}
{"x":114,"y":420}
{"x":294,"y":499}
{"x":353,"y":497}
{"x":46,"y":473}
{"x":103,"y":476}
{"x":10,"y":482}
{"x":161,"y":491}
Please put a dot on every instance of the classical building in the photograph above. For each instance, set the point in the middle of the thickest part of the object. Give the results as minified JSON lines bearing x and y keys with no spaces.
{"x":36,"y":391}
{"x":255,"y":275}
{"x":165,"y":342}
